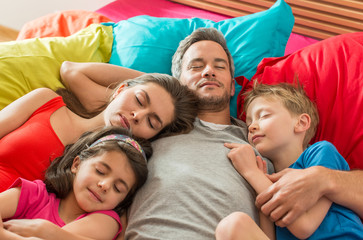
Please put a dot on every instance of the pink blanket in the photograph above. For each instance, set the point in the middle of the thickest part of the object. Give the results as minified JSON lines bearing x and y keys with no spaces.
{"x":123,"y":9}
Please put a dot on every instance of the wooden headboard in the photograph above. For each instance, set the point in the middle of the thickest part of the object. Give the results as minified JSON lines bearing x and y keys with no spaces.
{"x":318,"y":19}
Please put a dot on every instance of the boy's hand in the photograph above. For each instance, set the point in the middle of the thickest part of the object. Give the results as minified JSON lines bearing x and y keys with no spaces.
{"x":243,"y":157}
{"x":261,"y":164}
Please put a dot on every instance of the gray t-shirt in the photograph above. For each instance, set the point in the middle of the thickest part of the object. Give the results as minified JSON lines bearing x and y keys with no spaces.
{"x":191,"y":186}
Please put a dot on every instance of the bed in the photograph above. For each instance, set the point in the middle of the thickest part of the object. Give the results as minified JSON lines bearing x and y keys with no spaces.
{"x":269,"y":42}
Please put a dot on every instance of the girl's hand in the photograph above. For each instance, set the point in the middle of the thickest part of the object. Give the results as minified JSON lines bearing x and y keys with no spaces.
{"x":2,"y":230}
{"x":243,"y":157}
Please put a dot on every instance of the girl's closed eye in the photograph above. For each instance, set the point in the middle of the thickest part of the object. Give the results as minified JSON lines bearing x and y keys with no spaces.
{"x":116,"y":188}
{"x":100,"y":169}
{"x":120,"y":187}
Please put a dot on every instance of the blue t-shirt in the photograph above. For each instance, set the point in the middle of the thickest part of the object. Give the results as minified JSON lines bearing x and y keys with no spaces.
{"x":339,"y":222}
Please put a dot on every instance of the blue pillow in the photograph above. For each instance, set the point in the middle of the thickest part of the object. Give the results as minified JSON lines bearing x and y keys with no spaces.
{"x":148,"y":43}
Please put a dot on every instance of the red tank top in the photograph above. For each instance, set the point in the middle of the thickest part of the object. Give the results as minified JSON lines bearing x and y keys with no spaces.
{"x":28,"y":150}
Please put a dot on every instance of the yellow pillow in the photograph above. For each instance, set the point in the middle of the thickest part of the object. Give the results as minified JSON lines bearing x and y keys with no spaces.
{"x":33,"y":63}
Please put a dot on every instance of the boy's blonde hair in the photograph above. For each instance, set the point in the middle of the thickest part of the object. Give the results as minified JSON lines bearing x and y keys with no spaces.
{"x":293,"y":97}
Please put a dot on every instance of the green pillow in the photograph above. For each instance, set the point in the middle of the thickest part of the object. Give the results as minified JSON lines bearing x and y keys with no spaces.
{"x":34,"y":63}
{"x":148,"y":43}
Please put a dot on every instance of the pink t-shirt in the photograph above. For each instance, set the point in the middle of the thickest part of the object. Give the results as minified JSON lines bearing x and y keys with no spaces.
{"x":36,"y":202}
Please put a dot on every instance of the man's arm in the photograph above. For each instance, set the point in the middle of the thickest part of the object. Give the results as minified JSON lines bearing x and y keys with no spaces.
{"x":92,"y":83}
{"x":296,"y":191}
{"x":244,"y":160}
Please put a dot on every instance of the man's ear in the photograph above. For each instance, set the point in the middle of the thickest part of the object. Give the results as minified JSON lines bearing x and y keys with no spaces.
{"x":118,"y":90}
{"x":75,"y":165}
{"x":303,"y":123}
{"x":233,"y":87}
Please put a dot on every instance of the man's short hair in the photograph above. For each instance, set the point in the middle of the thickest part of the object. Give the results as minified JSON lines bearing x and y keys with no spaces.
{"x":201,"y":34}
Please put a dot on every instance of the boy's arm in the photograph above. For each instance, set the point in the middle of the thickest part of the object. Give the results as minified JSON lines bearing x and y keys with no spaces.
{"x":303,"y":226}
{"x":242,"y":157}
{"x":295,"y":191}
{"x":92,"y":83}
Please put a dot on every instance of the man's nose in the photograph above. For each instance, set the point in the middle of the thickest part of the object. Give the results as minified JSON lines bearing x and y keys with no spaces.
{"x":208,"y":72}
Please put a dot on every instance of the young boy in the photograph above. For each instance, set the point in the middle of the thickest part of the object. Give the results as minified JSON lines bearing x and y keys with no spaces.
{"x":281,"y":121}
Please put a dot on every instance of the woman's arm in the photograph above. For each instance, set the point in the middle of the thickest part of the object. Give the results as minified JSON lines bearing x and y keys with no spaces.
{"x":295,"y":191}
{"x":92,"y":83}
{"x":18,"y":112}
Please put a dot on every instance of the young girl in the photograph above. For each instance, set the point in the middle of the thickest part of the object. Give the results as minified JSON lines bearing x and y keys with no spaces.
{"x":85,"y":191}
{"x":281,"y":121}
{"x":36,"y":127}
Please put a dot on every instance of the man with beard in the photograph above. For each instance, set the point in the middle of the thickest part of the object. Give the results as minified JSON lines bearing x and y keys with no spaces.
{"x":191,"y":183}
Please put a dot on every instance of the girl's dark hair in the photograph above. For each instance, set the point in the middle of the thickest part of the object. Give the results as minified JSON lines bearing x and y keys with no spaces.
{"x":184,"y":100}
{"x":59,"y":178}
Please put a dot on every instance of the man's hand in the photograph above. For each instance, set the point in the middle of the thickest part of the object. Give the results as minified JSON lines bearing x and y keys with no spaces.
{"x":293,"y":192}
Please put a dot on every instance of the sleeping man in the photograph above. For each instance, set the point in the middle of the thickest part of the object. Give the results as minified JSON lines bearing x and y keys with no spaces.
{"x":191,"y":184}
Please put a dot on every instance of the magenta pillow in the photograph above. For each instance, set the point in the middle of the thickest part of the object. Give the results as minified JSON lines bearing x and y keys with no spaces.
{"x":332,"y":74}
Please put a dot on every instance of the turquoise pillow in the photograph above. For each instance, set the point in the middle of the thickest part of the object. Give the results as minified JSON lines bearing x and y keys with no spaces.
{"x":148,"y":43}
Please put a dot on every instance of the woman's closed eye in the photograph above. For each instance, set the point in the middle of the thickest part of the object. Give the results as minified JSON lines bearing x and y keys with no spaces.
{"x":154,"y":123}
{"x":150,"y":123}
{"x":139,"y":100}
{"x":100,"y":172}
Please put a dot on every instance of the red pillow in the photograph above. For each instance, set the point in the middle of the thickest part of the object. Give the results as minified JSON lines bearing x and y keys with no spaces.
{"x":332,"y":74}
{"x":60,"y":24}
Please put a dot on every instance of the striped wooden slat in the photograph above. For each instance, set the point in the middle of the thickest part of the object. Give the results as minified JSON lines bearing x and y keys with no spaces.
{"x":318,"y":19}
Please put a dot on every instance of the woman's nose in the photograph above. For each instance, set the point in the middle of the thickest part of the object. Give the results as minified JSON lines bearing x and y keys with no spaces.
{"x":139,"y":115}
